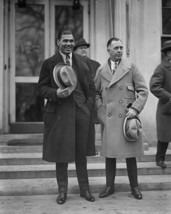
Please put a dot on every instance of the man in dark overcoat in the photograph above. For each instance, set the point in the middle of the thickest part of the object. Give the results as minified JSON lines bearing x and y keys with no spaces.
{"x":68,"y":124}
{"x":81,"y":48}
{"x":160,"y":86}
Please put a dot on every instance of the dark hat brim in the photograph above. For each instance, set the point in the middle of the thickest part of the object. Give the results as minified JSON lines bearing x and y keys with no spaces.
{"x":83,"y":44}
{"x":166,"y":49}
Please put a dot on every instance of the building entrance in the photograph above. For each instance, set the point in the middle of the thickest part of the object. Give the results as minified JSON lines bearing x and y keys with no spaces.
{"x":33,"y":29}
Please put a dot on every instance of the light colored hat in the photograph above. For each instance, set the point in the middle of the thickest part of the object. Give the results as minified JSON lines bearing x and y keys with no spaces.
{"x":65,"y":76}
{"x":132,"y":128}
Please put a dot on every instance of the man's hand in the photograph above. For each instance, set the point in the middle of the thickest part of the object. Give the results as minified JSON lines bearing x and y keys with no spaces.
{"x":63,"y":93}
{"x":132,"y":113}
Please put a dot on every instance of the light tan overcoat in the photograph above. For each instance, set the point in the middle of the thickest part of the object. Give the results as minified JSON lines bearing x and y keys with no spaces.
{"x":113,"y":94}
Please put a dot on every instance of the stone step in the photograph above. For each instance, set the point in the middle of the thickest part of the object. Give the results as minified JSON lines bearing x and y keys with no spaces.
{"x":29,"y":148}
{"x":29,"y":158}
{"x":47,"y":186}
{"x":34,"y":159}
{"x":34,"y":139}
{"x":20,"y":149}
{"x":94,"y":170}
{"x":34,"y":148}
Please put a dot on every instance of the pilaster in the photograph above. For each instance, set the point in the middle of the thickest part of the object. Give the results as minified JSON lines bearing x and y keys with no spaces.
{"x":1,"y":61}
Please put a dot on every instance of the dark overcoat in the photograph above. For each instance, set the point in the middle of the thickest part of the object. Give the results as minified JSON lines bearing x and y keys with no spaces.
{"x":113,"y":95}
{"x":59,"y":113}
{"x":160,"y":86}
{"x":94,"y":65}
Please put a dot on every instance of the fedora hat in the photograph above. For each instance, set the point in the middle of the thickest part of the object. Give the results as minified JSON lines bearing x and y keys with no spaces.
{"x":64,"y":76}
{"x":166,"y":46}
{"x":132,"y":128}
{"x":81,"y":42}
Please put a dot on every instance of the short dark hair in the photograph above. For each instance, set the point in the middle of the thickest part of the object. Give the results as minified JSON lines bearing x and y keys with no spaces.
{"x":111,"y":40}
{"x":64,"y":32}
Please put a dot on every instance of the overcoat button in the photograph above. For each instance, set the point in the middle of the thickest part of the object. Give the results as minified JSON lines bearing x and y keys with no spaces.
{"x":120,"y":115}
{"x":121,"y":101}
{"x":109,"y":115}
{"x":120,"y":87}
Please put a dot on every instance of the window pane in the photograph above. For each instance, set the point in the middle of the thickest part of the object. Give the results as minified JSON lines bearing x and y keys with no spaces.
{"x":68,"y":19}
{"x":166,"y":21}
{"x":28,"y":103}
{"x":29,"y":36}
{"x":166,"y":3}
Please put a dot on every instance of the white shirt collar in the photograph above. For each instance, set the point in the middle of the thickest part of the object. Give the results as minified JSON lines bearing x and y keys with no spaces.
{"x":64,"y":57}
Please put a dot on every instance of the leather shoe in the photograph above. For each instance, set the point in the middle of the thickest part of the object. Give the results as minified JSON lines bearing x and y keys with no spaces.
{"x":61,"y":198}
{"x":87,"y":195}
{"x":161,"y":164}
{"x":106,"y":192}
{"x":136,"y":193}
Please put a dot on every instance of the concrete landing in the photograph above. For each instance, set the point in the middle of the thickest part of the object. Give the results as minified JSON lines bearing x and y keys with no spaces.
{"x":44,"y":186}
{"x":157,"y":202}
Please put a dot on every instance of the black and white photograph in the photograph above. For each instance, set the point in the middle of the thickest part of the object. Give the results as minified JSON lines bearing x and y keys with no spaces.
{"x":85,"y":106}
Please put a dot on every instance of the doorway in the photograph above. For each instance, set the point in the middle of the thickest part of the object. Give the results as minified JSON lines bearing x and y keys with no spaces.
{"x":33,"y":30}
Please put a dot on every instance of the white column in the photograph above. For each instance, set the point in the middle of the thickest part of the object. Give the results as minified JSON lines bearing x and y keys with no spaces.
{"x":1,"y":61}
{"x":120,"y":22}
{"x":102,"y":30}
{"x":145,"y":36}
{"x":92,"y":33}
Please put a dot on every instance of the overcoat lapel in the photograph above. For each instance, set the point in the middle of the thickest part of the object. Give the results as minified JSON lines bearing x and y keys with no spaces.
{"x":122,"y":69}
{"x":106,"y":72}
{"x":80,"y":72}
{"x":77,"y":67}
{"x":57,"y":58}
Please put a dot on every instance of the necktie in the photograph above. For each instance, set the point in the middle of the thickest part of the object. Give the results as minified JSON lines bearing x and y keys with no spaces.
{"x":68,"y":60}
{"x":114,"y":68}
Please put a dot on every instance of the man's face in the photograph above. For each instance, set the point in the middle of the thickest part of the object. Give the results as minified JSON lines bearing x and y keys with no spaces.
{"x":81,"y":50}
{"x":115,"y":50}
{"x":168,"y":55}
{"x":66,"y":43}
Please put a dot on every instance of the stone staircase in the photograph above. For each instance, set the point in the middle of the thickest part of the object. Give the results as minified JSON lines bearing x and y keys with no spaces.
{"x":23,"y":172}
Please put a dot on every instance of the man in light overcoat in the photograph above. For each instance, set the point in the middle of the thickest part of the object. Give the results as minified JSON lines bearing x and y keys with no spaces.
{"x":120,"y":91}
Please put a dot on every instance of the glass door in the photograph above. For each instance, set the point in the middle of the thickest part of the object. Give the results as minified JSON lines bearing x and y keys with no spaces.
{"x":33,"y":30}
{"x":27,"y":53}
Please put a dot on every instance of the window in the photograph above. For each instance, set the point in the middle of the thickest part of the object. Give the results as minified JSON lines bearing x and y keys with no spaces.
{"x":166,"y":21}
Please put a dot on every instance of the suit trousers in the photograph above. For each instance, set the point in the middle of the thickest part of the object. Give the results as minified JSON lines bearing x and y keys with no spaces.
{"x":82,"y":124}
{"x":161,"y":150}
{"x":131,"y":169}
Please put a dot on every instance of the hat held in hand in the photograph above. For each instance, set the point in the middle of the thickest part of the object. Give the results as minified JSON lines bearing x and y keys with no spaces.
{"x":65,"y":76}
{"x":132,"y":128}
